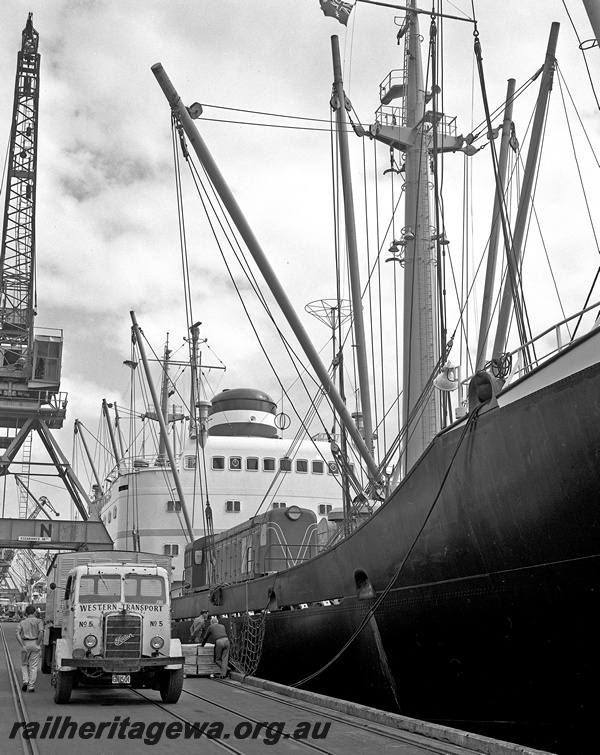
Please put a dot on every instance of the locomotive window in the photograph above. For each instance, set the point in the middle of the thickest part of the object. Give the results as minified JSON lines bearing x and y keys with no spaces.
{"x":285,"y":465}
{"x":198,"y":556}
{"x":317,"y":467}
{"x":301,"y":466}
{"x":140,"y":588}
{"x":218,"y":462}
{"x":99,"y":588}
{"x":252,"y":464}
{"x":235,"y":463}
{"x":189,"y":462}
{"x":268,"y":465}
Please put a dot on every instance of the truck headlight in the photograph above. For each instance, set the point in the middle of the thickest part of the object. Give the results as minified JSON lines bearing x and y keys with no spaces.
{"x":156,"y":643}
{"x":90,"y":641}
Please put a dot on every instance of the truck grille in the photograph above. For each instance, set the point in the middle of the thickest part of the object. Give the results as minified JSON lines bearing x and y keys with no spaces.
{"x":123,"y":636}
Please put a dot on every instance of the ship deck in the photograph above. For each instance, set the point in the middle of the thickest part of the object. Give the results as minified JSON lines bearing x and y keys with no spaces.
{"x":236,"y":715}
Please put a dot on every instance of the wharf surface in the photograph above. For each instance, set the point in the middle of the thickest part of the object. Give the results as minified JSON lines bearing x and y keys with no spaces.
{"x":237,"y":715}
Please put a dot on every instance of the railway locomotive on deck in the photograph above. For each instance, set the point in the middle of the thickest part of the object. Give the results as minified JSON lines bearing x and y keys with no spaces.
{"x":270,"y":542}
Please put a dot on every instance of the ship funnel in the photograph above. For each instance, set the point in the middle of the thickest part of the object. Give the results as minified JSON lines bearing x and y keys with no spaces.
{"x":243,"y":412}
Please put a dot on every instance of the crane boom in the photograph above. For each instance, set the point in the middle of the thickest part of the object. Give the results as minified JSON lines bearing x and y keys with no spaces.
{"x":30,"y":361}
{"x":17,"y":257}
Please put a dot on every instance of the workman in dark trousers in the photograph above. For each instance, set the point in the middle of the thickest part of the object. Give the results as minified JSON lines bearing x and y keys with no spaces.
{"x":29,"y":636}
{"x":218,"y":634}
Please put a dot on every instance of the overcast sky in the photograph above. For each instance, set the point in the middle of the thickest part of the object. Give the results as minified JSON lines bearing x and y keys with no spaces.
{"x":107,"y":232}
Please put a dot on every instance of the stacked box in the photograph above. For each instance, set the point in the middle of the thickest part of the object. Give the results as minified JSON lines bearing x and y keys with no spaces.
{"x":199,"y":661}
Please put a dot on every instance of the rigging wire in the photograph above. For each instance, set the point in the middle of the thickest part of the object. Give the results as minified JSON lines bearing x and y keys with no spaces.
{"x":583,"y":51}
{"x":384,"y":593}
{"x":563,"y":86}
{"x":225,"y":225}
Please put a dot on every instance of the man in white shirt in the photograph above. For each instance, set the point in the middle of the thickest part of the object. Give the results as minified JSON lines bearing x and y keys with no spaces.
{"x":30,"y":633}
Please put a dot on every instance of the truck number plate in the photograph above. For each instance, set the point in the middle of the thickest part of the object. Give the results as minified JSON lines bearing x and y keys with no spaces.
{"x":121,"y":678}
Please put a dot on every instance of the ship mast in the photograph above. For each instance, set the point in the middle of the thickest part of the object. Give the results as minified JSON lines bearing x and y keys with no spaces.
{"x":162,"y":421}
{"x":420,"y":347}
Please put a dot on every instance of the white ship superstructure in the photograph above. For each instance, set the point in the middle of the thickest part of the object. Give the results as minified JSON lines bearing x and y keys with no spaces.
{"x":244,"y":468}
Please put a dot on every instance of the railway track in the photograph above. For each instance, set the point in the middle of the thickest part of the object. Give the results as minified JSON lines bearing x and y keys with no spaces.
{"x":29,"y":745}
{"x":219,"y":716}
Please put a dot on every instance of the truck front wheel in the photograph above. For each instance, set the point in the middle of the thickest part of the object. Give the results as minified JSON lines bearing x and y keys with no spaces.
{"x":63,"y":686}
{"x":171,"y":684}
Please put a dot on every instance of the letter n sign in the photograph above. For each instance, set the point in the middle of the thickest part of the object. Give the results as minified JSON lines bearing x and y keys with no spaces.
{"x":45,"y":529}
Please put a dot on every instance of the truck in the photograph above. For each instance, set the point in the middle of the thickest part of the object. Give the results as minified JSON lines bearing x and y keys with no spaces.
{"x":108,"y":622}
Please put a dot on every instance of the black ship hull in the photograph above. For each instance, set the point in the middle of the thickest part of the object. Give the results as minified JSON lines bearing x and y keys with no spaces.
{"x":484,"y":563}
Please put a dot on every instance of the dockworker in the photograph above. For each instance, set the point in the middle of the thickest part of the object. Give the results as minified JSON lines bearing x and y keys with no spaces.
{"x":198,"y":626}
{"x":29,"y":636}
{"x":218,"y":634}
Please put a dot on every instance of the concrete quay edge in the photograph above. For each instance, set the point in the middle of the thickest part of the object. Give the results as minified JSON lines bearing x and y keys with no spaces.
{"x":447,"y":734}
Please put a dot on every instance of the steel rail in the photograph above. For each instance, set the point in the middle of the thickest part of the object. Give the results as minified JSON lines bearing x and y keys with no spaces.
{"x":363,"y":724}
{"x":29,"y":745}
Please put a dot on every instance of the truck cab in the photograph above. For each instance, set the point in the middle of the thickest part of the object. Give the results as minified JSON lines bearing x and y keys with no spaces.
{"x":115,"y":629}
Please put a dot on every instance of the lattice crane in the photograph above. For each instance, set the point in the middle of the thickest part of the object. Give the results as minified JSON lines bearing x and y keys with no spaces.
{"x":30,"y":360}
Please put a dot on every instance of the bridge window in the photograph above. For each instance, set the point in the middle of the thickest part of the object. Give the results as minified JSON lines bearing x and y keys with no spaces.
{"x":332,"y":468}
{"x":279,"y":504}
{"x":252,"y":464}
{"x":268,"y":465}
{"x":233,"y":507}
{"x":301,"y":466}
{"x":109,"y":517}
{"x":174,"y":506}
{"x":189,"y":462}
{"x":318,"y":467}
{"x":171,"y":549}
{"x":115,"y":512}
{"x":218,"y":462}
{"x":325,"y":508}
{"x":285,"y":465}
{"x":235,"y":463}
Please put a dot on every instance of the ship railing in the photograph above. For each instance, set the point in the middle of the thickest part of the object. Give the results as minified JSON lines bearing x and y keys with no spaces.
{"x":392,"y":86}
{"x":390,"y":116}
{"x":555,"y":339}
{"x":140,"y":462}
{"x":325,"y":437}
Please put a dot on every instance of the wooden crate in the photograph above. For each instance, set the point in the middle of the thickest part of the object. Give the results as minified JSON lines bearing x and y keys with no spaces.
{"x":190,"y":649}
{"x":201,"y":664}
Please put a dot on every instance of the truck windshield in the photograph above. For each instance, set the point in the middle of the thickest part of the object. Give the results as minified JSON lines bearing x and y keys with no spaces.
{"x":144,"y":589}
{"x":99,"y":588}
